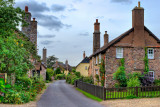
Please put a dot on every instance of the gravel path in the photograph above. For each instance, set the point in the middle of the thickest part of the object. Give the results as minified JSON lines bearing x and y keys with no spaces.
{"x":143,"y":102}
{"x":60,"y":94}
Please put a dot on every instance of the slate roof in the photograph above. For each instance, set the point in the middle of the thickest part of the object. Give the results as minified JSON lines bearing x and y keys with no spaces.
{"x":114,"y":41}
{"x":85,"y":60}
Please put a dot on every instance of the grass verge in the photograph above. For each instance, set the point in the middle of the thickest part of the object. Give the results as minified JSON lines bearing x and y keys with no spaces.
{"x":89,"y":95}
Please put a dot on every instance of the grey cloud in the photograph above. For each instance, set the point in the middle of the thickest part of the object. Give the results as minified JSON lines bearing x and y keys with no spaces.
{"x":46,"y":42}
{"x":33,"y":6}
{"x":73,"y":9}
{"x":57,"y":8}
{"x":47,"y":21}
{"x":122,"y":1}
{"x":84,"y":34}
{"x":46,"y":36}
{"x":75,"y":1}
{"x":100,"y":17}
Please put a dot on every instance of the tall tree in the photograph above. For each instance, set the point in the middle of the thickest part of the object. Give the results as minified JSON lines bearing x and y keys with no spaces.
{"x":51,"y":60}
{"x":15,"y":47}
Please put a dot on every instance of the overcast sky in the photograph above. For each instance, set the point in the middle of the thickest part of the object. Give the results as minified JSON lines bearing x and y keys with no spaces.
{"x":65,"y":27}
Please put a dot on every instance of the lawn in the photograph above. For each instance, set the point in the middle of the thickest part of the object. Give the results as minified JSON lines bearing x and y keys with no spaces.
{"x":131,"y":94}
{"x":89,"y":95}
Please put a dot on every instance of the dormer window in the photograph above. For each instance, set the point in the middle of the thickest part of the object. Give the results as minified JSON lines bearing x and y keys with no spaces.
{"x":119,"y":52}
{"x":150,"y":53}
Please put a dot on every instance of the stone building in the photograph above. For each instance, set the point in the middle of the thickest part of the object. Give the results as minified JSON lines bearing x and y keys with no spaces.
{"x":130,"y":46}
{"x":83,"y":66}
{"x":65,"y":68}
{"x":31,"y":32}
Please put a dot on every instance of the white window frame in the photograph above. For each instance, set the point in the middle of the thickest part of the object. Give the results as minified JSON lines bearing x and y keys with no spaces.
{"x":150,"y":56}
{"x":152,"y":72}
{"x":100,"y":57}
{"x":96,"y":71}
{"x":119,"y":52}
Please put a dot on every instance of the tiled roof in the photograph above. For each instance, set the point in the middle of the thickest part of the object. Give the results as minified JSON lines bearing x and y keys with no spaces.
{"x":114,"y":41}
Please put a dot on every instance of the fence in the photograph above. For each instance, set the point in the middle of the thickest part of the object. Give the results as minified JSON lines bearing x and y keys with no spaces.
{"x":119,"y":93}
{"x":131,"y":92}
{"x":97,"y":91}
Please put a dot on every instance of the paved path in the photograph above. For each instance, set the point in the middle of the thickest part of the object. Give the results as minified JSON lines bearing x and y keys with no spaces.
{"x":60,"y":94}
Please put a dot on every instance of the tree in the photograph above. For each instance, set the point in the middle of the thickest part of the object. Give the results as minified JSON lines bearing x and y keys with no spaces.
{"x":51,"y":60}
{"x":15,"y":47}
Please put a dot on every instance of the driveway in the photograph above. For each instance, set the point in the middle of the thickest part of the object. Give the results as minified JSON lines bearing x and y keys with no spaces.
{"x":60,"y":94}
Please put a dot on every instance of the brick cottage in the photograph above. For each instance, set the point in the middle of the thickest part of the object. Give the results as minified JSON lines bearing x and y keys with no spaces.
{"x":130,"y":46}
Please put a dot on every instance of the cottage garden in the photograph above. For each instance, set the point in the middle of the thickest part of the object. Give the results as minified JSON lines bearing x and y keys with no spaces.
{"x":15,"y":53}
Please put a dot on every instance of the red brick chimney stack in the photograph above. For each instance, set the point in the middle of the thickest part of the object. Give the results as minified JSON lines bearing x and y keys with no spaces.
{"x":26,"y":8}
{"x":138,"y":25}
{"x":106,"y":38}
{"x":96,"y":26}
{"x":84,"y":55}
{"x":96,"y":36}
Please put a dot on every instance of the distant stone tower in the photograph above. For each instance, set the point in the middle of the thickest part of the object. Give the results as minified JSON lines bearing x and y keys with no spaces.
{"x":96,"y":36}
{"x":45,"y":56}
{"x":31,"y":30}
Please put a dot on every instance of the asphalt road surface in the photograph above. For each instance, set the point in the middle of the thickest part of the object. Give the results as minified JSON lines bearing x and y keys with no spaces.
{"x":61,"y":94}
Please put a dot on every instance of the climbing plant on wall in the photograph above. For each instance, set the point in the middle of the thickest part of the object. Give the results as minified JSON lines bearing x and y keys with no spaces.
{"x":102,"y":72}
{"x":146,"y":69}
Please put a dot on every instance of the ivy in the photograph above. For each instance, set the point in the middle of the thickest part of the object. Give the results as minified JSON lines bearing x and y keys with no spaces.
{"x":146,"y":68}
{"x":102,"y":72}
{"x":120,"y":74}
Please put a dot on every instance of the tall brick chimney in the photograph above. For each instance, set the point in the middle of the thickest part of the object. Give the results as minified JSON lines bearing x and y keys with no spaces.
{"x":96,"y":36}
{"x":106,"y":38}
{"x":138,"y":25}
{"x":84,"y":55}
{"x":33,"y":33}
{"x":27,"y":17}
{"x":45,"y":56}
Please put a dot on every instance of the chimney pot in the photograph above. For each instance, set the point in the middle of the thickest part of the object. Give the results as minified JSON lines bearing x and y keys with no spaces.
{"x":139,"y":4}
{"x":26,"y":8}
{"x":106,"y":38}
{"x":96,"y":20}
{"x":84,"y":55}
{"x":34,"y":19}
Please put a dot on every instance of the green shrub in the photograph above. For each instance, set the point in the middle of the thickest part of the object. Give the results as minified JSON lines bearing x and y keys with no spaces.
{"x":133,"y":82}
{"x":24,"y":82}
{"x":73,"y":70}
{"x":13,"y":97}
{"x":60,"y":76}
{"x":49,"y":74}
{"x":120,"y":76}
{"x":57,"y":71}
{"x":157,"y":82}
{"x":77,"y":74}
{"x":88,"y":80}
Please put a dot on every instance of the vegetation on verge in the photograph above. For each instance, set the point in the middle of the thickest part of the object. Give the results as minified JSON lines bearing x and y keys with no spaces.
{"x":89,"y":95}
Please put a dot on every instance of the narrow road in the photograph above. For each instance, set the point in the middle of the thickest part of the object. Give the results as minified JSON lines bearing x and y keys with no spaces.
{"x":60,"y":94}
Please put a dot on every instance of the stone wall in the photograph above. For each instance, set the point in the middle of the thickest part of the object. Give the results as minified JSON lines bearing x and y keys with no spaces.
{"x":134,"y":62}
